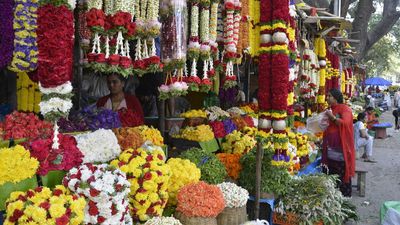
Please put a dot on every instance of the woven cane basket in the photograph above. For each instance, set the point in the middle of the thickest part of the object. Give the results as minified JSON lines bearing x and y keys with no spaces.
{"x":185,"y":220}
{"x":232,"y":216}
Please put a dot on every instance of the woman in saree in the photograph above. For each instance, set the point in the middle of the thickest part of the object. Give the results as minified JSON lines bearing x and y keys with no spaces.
{"x":338,"y":152}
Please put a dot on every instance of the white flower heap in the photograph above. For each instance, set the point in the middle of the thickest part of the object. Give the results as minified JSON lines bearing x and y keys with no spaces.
{"x":234,"y":196}
{"x":106,"y":190}
{"x":99,"y":146}
{"x":163,"y":221}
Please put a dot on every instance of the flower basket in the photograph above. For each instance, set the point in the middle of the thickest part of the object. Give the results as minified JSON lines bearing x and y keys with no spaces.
{"x":288,"y":219}
{"x":195,"y":220}
{"x":232,"y":216}
{"x":53,"y":178}
{"x":7,"y":188}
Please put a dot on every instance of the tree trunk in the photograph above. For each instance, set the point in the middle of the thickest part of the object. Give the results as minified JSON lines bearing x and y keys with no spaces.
{"x":363,"y":13}
{"x":318,"y":3}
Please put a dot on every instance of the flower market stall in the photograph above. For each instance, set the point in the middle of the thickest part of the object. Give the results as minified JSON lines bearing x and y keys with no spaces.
{"x":222,"y":163}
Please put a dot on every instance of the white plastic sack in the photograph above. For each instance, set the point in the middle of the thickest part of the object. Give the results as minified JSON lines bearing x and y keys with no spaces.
{"x":392,"y":217}
{"x":317,"y":123}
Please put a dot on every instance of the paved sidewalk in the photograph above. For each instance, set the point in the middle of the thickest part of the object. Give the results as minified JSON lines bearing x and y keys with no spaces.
{"x":383,"y":177}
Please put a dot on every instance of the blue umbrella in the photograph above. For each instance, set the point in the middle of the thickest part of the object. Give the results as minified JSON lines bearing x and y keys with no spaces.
{"x":377,"y":81}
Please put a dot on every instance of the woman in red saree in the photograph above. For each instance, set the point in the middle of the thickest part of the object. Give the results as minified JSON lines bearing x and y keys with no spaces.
{"x":338,"y":143}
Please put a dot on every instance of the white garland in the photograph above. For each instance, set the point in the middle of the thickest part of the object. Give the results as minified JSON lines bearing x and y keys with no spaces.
{"x":236,"y":22}
{"x":98,"y":146}
{"x":204,"y":25}
{"x":108,"y":7}
{"x":163,"y":221}
{"x":96,"y":43}
{"x":55,"y":105}
{"x":72,"y":4}
{"x":120,"y":44}
{"x":194,"y":25}
{"x":220,"y":23}
{"x":63,"y":89}
{"x":106,"y":188}
{"x":107,"y":47}
{"x":234,"y":196}
{"x":96,"y":4}
{"x":56,"y":144}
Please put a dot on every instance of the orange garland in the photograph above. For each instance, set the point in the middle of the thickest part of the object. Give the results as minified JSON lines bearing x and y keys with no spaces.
{"x":243,"y":43}
{"x":231,"y":163}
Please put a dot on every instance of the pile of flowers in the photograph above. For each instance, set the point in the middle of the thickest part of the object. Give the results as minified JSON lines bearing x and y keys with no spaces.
{"x":183,"y":172}
{"x":212,"y":170}
{"x":194,"y":113}
{"x":150,"y":134}
{"x":90,"y":118}
{"x":200,"y":200}
{"x":161,"y":220}
{"x":216,"y":113}
{"x":25,"y":125}
{"x":218,"y":128}
{"x":201,"y":133}
{"x":237,"y":142}
{"x":234,"y":195}
{"x":129,"y":118}
{"x":106,"y":190}
{"x":128,"y":138}
{"x":231,"y":163}
{"x":17,"y":164}
{"x":148,"y":174}
{"x":255,"y":132}
{"x":99,"y":146}
{"x":65,"y":157}
{"x":43,"y":206}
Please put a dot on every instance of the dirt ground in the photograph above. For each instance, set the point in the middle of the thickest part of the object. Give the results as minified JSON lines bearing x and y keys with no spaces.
{"x":383,"y":177}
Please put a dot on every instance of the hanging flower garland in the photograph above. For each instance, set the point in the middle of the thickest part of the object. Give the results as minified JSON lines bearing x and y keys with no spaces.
{"x":25,"y":55}
{"x":193,"y":80}
{"x":254,"y":28}
{"x":292,"y":63}
{"x":243,"y":44}
{"x":28,"y":94}
{"x":173,"y":48}
{"x":320,"y":51}
{"x":7,"y":36}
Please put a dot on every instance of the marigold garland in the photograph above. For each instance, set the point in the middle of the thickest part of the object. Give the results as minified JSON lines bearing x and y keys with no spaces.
{"x":43,"y":206}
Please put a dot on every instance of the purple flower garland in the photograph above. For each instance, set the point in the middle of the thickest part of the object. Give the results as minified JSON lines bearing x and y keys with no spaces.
{"x":7,"y":32}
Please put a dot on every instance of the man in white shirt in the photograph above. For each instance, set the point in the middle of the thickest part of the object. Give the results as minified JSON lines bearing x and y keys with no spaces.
{"x":397,"y":99}
{"x":362,"y":139}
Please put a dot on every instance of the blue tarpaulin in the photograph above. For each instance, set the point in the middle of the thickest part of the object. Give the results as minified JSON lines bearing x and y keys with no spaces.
{"x":377,"y":81}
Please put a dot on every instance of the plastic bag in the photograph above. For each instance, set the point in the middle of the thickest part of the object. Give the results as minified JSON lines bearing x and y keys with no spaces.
{"x":317,"y":123}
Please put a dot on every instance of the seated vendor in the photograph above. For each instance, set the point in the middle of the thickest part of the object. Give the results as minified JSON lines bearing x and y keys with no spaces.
{"x":117,"y":99}
{"x":371,"y":118}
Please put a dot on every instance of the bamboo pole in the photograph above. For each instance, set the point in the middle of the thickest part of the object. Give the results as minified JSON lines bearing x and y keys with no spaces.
{"x":259,"y":156}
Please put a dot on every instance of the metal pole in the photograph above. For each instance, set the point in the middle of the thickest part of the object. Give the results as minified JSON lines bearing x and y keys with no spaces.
{"x":259,"y":156}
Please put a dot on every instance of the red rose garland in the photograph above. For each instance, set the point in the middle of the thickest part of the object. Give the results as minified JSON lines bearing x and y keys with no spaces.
{"x":55,"y":42}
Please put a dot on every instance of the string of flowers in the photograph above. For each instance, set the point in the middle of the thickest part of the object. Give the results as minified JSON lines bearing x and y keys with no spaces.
{"x":254,"y":28}
{"x":320,"y":51}
{"x":291,"y":33}
{"x":106,"y":191}
{"x":183,"y":172}
{"x":25,"y":55}
{"x":7,"y":36}
{"x":243,"y":44}
{"x":148,"y":175}
{"x":18,"y":165}
{"x":44,"y":206}
{"x":213,"y":30}
{"x":194,"y":47}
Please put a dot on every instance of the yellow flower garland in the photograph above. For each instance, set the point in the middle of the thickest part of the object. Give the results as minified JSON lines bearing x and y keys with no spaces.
{"x":254,"y":29}
{"x":28,"y":94}
{"x":17,"y":164}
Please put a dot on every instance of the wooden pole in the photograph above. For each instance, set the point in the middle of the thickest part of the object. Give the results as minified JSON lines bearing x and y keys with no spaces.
{"x":259,"y":156}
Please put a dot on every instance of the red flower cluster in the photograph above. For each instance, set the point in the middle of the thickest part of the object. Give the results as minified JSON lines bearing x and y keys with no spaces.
{"x":65,"y":157}
{"x":206,"y":81}
{"x":95,"y":18}
{"x":249,"y":121}
{"x":129,"y":118}
{"x":19,"y":125}
{"x":218,"y":128}
{"x":55,"y":43}
{"x":264,"y":78}
{"x":193,"y":79}
{"x":280,"y":81}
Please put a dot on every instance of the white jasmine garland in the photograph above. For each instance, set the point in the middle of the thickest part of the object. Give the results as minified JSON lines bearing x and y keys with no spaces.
{"x":55,"y":105}
{"x":163,"y":221}
{"x":236,"y":22}
{"x":98,"y":146}
{"x":234,"y":196}
{"x":65,"y":88}
{"x":213,"y":21}
{"x":97,"y":4}
{"x":204,"y":25}
{"x":105,"y":187}
{"x":194,"y":27}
